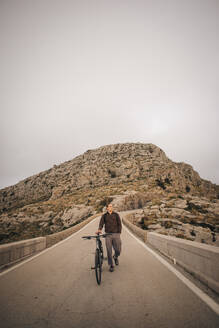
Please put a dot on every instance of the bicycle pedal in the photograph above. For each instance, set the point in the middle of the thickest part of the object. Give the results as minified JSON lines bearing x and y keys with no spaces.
{"x":93,"y":268}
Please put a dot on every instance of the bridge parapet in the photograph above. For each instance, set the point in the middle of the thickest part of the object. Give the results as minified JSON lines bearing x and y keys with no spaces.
{"x":13,"y":252}
{"x":200,"y":260}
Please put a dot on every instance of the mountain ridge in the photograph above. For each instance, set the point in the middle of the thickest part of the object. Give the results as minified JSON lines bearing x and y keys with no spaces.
{"x":61,"y":196}
{"x":107,"y":164}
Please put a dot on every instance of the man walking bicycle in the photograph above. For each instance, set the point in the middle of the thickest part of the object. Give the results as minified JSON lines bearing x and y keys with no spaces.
{"x":113,"y":225}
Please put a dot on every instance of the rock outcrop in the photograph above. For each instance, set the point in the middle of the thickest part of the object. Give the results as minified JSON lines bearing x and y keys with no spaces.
{"x":75,"y":214}
{"x":106,"y":165}
{"x":186,"y":217}
{"x":57,"y":198}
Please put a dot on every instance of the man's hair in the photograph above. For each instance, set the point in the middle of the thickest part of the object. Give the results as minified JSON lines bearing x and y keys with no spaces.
{"x":108,"y":204}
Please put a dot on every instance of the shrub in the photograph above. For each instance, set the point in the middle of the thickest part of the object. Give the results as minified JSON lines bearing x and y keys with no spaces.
{"x":160,"y":183}
{"x":196,"y":208}
{"x":167,"y":180}
{"x":168,"y":224}
{"x":112,"y":173}
{"x":145,"y":222}
{"x":181,"y":235}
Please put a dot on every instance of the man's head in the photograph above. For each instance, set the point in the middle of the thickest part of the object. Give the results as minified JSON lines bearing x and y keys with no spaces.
{"x":109,"y":208}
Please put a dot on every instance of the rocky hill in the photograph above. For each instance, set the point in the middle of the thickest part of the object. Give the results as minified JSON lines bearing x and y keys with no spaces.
{"x":57,"y":198}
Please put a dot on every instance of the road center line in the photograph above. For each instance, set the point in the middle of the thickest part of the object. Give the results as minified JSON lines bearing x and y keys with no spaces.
{"x":204,"y":297}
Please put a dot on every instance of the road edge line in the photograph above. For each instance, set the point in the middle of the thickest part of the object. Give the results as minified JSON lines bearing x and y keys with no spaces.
{"x":45,"y":250}
{"x":204,"y":297}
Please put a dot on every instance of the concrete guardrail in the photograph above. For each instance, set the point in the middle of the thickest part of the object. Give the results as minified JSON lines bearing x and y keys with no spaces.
{"x":58,"y":236}
{"x":200,"y":260}
{"x":142,"y":234}
{"x":13,"y":252}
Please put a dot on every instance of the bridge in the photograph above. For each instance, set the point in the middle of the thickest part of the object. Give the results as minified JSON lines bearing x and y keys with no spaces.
{"x":57,"y":288}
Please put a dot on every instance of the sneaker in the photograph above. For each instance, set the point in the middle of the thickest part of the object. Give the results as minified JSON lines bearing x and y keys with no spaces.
{"x":111,"y":269}
{"x":116,"y":260}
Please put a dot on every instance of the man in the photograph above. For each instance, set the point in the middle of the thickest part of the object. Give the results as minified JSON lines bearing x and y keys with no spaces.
{"x":113,"y":225}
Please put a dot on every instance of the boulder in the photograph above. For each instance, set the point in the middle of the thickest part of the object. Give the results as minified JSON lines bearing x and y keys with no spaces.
{"x":54,"y":228}
{"x":129,"y":201}
{"x":57,"y":193}
{"x":43,"y":224}
{"x":154,"y":226}
{"x":214,"y":208}
{"x":74,"y":214}
{"x":178,"y":212}
{"x":181,"y":204}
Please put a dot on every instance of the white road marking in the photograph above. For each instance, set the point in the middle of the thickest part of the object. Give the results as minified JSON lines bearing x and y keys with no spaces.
{"x":204,"y":297}
{"x":45,"y":250}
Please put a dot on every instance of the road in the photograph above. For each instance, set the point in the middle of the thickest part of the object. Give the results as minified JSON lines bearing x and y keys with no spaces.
{"x":58,"y":289}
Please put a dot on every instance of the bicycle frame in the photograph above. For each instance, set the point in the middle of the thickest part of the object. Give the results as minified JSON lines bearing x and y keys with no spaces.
{"x":99,"y":246}
{"x":98,"y":255}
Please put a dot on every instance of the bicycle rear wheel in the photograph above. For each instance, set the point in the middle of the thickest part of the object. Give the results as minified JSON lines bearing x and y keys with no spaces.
{"x":98,"y":266}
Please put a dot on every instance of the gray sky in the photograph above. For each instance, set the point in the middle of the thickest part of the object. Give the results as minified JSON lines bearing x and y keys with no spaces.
{"x":76,"y":75}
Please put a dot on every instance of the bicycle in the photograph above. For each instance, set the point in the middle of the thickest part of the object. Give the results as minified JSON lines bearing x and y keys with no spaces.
{"x":98,"y":255}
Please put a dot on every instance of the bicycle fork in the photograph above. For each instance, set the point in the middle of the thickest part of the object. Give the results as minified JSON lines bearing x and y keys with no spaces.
{"x":99,"y":249}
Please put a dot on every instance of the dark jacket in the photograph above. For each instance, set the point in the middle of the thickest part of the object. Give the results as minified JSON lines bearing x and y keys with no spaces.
{"x":112,"y":222}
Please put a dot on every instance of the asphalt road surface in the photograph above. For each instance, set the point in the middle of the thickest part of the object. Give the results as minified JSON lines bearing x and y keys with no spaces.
{"x":59,"y":289}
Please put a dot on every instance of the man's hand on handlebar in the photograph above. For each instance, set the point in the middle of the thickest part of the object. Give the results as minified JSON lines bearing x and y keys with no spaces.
{"x":98,"y":232}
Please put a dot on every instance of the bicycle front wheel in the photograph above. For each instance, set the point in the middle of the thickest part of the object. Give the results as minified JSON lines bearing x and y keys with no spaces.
{"x":98,"y":266}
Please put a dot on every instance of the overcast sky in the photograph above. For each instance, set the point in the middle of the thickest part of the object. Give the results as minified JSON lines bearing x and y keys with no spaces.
{"x":79,"y":74}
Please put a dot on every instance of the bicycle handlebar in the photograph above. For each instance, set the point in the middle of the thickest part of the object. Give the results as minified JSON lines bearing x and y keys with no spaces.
{"x":97,"y":236}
